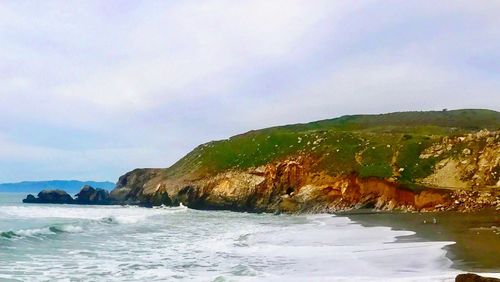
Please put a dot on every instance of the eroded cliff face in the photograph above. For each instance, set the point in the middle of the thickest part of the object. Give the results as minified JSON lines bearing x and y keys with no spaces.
{"x":471,"y":161}
{"x":465,"y":178}
{"x":130,"y":187}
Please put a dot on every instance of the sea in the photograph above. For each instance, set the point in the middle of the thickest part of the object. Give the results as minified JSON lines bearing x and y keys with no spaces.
{"x":127,"y":243}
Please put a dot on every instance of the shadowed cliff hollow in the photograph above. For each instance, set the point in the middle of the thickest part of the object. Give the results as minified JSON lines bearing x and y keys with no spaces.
{"x":439,"y":160}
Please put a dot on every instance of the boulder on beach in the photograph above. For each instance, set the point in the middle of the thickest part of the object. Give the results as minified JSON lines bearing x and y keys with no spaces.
{"x":50,"y":197}
{"x":471,"y":277}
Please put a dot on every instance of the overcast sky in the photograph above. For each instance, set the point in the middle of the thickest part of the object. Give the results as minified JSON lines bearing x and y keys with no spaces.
{"x":92,"y":89}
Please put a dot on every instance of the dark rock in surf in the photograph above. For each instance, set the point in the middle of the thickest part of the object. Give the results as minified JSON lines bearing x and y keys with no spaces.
{"x":30,"y":199}
{"x":160,"y":198}
{"x":89,"y":195}
{"x":50,"y":197}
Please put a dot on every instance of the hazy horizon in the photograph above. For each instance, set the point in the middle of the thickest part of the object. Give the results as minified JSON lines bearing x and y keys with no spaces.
{"x":91,"y":90}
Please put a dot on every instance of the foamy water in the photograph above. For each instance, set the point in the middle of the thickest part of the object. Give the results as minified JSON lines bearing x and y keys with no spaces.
{"x":81,"y":243}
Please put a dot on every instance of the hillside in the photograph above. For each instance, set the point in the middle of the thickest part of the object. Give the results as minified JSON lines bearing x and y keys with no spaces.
{"x":408,"y":151}
{"x":67,"y":185}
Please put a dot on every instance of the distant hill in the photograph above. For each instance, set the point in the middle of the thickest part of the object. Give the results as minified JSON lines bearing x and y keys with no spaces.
{"x":69,"y":186}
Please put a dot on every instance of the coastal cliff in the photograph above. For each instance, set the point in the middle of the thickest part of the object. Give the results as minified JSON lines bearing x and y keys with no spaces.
{"x":413,"y":161}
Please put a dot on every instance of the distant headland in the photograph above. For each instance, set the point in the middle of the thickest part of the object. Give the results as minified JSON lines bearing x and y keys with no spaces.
{"x":71,"y":186}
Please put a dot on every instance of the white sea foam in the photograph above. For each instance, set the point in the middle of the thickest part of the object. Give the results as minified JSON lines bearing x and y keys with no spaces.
{"x":71,"y":228}
{"x":33,"y":232}
{"x":120,"y":214}
{"x":186,"y":245}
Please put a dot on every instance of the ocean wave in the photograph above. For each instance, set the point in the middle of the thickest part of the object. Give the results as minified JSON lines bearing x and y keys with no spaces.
{"x":66,"y":229}
{"x":82,"y":218}
{"x":41,"y":232}
{"x":24,"y":233}
{"x":8,"y":234}
{"x":125,"y":214}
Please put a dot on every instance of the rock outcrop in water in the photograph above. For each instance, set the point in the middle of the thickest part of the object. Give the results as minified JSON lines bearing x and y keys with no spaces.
{"x":88,"y":195}
{"x":50,"y":197}
{"x":417,"y":164}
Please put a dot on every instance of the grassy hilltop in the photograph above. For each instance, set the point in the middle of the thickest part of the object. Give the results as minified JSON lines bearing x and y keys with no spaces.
{"x":384,"y":146}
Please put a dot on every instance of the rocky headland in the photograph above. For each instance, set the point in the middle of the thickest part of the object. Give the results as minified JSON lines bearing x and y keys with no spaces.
{"x":413,"y":161}
{"x":408,"y":161}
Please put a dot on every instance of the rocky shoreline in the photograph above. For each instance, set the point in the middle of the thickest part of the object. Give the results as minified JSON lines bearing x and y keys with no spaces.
{"x":288,"y":187}
{"x":283,"y":187}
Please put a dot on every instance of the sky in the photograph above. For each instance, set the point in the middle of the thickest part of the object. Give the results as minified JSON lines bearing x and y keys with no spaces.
{"x":92,"y":89}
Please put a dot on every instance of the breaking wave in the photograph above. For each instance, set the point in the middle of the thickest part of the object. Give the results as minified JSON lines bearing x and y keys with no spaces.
{"x":128,"y":214}
{"x":41,"y":232}
{"x":81,"y":218}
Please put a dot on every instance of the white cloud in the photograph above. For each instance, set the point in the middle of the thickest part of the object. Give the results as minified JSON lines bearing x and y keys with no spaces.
{"x":163,"y":51}
{"x":184,"y":44}
{"x":153,"y":79}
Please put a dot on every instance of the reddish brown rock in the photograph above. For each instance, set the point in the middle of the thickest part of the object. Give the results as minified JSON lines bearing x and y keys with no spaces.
{"x":294,"y":185}
{"x":471,"y":277}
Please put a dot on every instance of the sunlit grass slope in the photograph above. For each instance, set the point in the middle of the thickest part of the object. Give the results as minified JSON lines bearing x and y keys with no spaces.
{"x":369,"y":145}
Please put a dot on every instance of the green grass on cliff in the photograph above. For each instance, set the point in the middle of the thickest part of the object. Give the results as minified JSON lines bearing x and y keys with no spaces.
{"x":369,"y":145}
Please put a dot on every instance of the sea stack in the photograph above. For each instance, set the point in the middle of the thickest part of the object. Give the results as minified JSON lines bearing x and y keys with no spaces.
{"x":50,"y":197}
